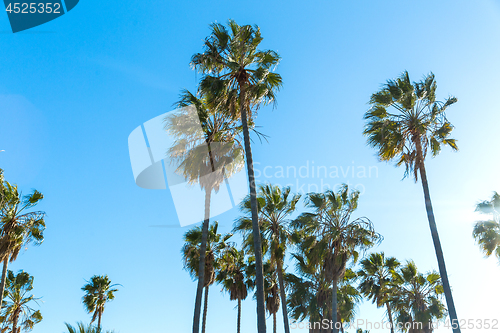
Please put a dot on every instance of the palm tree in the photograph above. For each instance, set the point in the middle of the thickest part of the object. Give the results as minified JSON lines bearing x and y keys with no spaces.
{"x":18,"y":226}
{"x":82,"y":328}
{"x":335,"y":236}
{"x":216,"y":244}
{"x":376,"y":280}
{"x":232,"y":274}
{"x":207,"y":152}
{"x":487,"y":233}
{"x":275,"y":205}
{"x":348,"y":298}
{"x":417,"y":123}
{"x":416,"y":299}
{"x":233,"y":66}
{"x":98,"y":292}
{"x":17,"y":314}
{"x":309,"y":291}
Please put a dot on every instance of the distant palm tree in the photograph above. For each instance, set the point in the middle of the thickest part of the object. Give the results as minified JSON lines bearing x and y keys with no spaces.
{"x":18,"y":226}
{"x":207,"y":152}
{"x":98,"y":292}
{"x":487,"y":233}
{"x":215,"y":245}
{"x":416,"y":299}
{"x":17,"y":314}
{"x":376,"y":275}
{"x":309,"y":291}
{"x":337,"y":238}
{"x":82,"y":328}
{"x":404,"y":123}
{"x":348,"y":298}
{"x":232,"y":275}
{"x":275,"y":205}
{"x":232,"y":64}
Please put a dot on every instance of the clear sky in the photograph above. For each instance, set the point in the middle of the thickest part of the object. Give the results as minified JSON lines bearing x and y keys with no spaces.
{"x":72,"y":90}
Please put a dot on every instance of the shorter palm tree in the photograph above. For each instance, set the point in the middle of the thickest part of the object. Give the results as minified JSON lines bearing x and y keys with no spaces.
{"x":18,"y":226}
{"x":487,"y":233}
{"x":82,"y":328}
{"x":17,"y":313}
{"x":348,"y":299}
{"x":232,"y":275}
{"x":337,"y":238}
{"x":377,"y":282}
{"x":98,"y":291}
{"x":417,"y":299}
{"x":215,"y":245}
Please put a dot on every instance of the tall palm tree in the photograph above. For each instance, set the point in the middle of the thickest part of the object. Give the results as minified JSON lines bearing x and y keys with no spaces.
{"x":216,"y":245}
{"x":376,"y":275}
{"x":17,"y":313}
{"x":487,"y":233}
{"x":403,"y":124}
{"x":337,"y":237}
{"x":82,"y":328}
{"x":98,"y":292}
{"x":416,"y":299}
{"x":232,"y":275}
{"x":232,"y":64}
{"x":18,"y":225}
{"x":207,"y":152}
{"x":275,"y":205}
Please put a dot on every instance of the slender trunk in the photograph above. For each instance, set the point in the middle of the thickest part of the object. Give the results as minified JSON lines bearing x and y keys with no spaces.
{"x":274,"y":322}
{"x":238,"y":325}
{"x":205,"y":308}
{"x":283,"y":296}
{"x":437,"y":244}
{"x":99,"y":321}
{"x":14,"y":321}
{"x":389,"y":314}
{"x":259,"y":276}
{"x":201,"y":267}
{"x":4,"y":276}
{"x":334,"y":306}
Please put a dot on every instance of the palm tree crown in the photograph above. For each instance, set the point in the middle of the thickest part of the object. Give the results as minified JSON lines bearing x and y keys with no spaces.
{"x":98,"y":291}
{"x":487,"y":233}
{"x":18,"y":225}
{"x":405,"y":121}
{"x":17,"y":314}
{"x":416,"y":298}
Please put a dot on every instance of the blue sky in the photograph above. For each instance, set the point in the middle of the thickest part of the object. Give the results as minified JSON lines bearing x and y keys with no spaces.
{"x":72,"y":90}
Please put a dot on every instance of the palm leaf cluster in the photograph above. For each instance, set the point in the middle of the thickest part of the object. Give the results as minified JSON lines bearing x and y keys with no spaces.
{"x":487,"y":233}
{"x":17,"y":315}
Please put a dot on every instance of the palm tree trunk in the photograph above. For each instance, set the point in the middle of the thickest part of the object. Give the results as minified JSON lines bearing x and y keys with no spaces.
{"x":274,"y":322}
{"x":238,"y":325}
{"x":4,"y":276}
{"x":99,"y":322}
{"x":14,"y":322}
{"x":437,"y":243}
{"x":283,"y":296}
{"x":334,"y":306}
{"x":205,"y":308}
{"x":201,"y":267}
{"x":389,"y":314}
{"x":259,"y":276}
